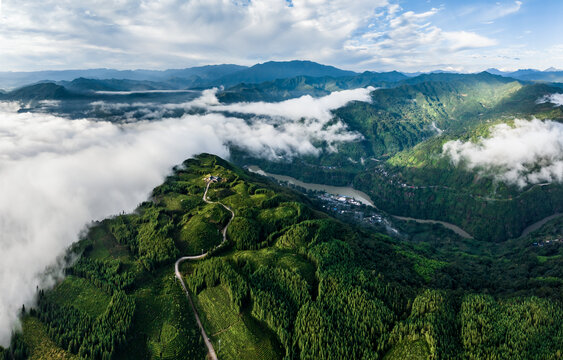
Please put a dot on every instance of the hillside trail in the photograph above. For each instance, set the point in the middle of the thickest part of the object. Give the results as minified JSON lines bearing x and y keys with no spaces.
{"x":206,"y":339}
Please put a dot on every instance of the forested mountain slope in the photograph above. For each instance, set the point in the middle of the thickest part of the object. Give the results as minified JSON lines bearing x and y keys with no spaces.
{"x":292,"y":283}
{"x":400,"y":160}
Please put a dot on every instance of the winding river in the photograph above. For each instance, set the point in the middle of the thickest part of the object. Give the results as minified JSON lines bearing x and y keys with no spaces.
{"x":356,"y":194}
{"x":365,"y":199}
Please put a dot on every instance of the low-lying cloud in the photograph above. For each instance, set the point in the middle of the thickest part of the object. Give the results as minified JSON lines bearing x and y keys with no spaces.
{"x":530,"y":152}
{"x":57,"y":175}
{"x":555,"y":99}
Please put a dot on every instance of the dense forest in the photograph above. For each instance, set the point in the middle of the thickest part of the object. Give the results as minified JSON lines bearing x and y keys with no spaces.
{"x":293,"y":283}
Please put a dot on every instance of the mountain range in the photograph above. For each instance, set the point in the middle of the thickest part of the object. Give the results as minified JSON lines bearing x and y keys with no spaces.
{"x":225,"y":75}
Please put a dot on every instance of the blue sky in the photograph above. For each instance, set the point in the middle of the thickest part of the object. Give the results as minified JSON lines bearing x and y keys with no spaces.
{"x":379,"y":35}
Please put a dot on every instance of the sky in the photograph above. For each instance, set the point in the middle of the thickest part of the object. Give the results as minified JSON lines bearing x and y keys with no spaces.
{"x":377,"y":35}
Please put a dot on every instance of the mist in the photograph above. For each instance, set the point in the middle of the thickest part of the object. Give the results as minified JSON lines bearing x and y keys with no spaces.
{"x":530,"y":152}
{"x":555,"y":99}
{"x":57,"y":175}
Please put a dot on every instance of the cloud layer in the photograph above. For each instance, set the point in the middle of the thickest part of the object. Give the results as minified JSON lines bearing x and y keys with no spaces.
{"x":361,"y":34}
{"x":57,"y":175}
{"x":530,"y":152}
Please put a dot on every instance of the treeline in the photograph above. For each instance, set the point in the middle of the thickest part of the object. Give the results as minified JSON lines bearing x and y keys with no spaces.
{"x":519,"y":328}
{"x":83,"y":335}
{"x":432,"y":318}
{"x":327,"y":290}
{"x":368,"y":299}
{"x":108,"y":275}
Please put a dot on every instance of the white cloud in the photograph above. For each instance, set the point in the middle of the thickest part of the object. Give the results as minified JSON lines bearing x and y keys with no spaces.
{"x":501,"y":10}
{"x":556,"y":99}
{"x":118,"y":34}
{"x":410,"y":41}
{"x":487,"y":13}
{"x":305,"y":106}
{"x":104,"y":33}
{"x":530,"y":152}
{"x":461,"y":40}
{"x":56,"y":175}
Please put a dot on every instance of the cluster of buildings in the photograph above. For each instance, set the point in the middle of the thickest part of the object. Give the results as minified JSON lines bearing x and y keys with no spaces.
{"x":214,"y":179}
{"x":349,"y":207}
{"x":548,"y":242}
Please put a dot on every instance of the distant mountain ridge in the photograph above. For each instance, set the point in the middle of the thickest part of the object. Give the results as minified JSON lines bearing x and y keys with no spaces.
{"x":245,"y":87}
{"x":273,"y":70}
{"x":195,"y":77}
{"x":269,"y":81}
{"x":229,"y":75}
{"x":548,"y":75}
{"x":282,"y":89}
{"x":189,"y":75}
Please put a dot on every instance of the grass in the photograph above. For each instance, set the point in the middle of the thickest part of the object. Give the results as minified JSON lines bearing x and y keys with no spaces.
{"x":163,"y":324}
{"x":409,"y":350}
{"x":273,"y":257}
{"x":41,"y":347}
{"x":543,"y":259}
{"x":423,"y":266}
{"x":105,"y":246}
{"x":81,"y":294}
{"x":234,"y":336}
{"x":197,"y":236}
{"x":177,"y":202}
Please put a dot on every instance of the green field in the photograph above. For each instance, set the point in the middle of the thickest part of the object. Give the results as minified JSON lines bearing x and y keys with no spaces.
{"x":163,"y":325}
{"x":234,"y":336}
{"x":279,"y":258}
{"x":198,"y":235}
{"x":104,"y":245}
{"x":81,"y":294}
{"x":40,"y":345}
{"x":409,"y":350}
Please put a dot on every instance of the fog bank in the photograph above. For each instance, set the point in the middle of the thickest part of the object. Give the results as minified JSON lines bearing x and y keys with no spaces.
{"x":531,"y":152}
{"x":57,"y":175}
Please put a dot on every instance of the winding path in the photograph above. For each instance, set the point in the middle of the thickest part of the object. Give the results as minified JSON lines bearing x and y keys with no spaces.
{"x":210,"y":349}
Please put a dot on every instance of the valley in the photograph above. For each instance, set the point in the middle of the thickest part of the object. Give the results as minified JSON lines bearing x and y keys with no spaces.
{"x":354,"y":233}
{"x":281,"y":180}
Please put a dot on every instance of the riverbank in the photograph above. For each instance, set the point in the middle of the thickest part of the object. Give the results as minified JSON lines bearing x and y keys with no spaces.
{"x":356,"y":194}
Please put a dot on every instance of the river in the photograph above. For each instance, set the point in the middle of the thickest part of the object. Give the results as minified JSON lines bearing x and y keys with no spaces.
{"x":539,"y":224}
{"x":356,"y":194}
{"x":334,"y":190}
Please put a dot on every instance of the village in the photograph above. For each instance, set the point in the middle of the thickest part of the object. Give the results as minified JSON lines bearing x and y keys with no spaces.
{"x":548,"y":242}
{"x":348,"y":207}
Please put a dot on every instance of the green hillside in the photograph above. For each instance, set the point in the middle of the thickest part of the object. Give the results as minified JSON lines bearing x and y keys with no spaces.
{"x":293,"y":283}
